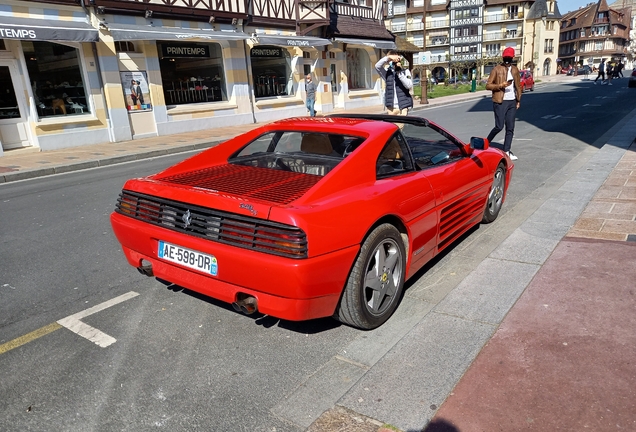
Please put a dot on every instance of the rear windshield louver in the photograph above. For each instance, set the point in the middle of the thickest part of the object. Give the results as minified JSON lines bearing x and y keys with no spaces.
{"x":232,"y":229}
{"x":269,"y":185}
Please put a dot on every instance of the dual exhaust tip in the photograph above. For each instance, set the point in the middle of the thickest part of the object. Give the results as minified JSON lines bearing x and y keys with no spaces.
{"x":245,"y":303}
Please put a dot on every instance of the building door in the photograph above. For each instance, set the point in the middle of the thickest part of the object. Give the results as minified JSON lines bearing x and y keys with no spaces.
{"x":13,"y":112}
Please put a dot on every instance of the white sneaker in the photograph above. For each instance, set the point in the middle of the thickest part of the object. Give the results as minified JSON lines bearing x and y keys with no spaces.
{"x":511,"y":156}
{"x":594,"y":82}
{"x":610,"y":84}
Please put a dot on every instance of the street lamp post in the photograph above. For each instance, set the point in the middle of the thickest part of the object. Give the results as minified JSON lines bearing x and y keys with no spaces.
{"x":424,"y":77}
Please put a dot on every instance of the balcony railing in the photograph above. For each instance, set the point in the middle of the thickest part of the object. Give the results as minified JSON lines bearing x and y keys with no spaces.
{"x":346,"y":9}
{"x":400,"y":28}
{"x":508,"y":34}
{"x":437,"y":41}
{"x":437,"y":23}
{"x":601,"y":21}
{"x":503,"y":17}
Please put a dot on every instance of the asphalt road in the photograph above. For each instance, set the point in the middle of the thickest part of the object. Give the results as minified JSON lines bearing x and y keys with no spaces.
{"x":179,"y":361}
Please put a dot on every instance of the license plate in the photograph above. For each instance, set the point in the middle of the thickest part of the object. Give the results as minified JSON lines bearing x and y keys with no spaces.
{"x":187,"y":257}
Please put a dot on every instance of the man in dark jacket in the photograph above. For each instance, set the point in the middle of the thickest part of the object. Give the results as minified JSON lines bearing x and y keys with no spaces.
{"x":505,"y":83}
{"x":397,"y":97}
{"x":310,"y":90}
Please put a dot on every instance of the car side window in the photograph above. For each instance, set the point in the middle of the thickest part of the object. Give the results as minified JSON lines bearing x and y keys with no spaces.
{"x":430,"y":147}
{"x":394,"y":158}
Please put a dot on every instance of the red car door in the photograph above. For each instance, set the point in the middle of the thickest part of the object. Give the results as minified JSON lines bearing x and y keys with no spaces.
{"x":461,"y":188}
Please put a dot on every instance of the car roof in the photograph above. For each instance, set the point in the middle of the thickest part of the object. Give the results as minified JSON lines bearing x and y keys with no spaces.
{"x":345,"y":125}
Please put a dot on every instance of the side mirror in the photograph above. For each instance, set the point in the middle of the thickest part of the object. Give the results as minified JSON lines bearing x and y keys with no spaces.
{"x":477,"y":143}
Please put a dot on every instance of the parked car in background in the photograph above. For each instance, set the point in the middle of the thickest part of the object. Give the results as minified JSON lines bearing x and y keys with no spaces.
{"x":455,"y":79}
{"x":582,"y":70}
{"x":632,"y":79}
{"x":527,"y":80}
{"x":308,"y":217}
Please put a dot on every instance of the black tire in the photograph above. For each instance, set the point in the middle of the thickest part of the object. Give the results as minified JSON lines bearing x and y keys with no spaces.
{"x":532,"y":88}
{"x":495,"y":197}
{"x":376,"y":281}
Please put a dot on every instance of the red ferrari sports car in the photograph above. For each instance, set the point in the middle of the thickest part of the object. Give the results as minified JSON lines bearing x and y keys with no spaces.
{"x":312,"y":217}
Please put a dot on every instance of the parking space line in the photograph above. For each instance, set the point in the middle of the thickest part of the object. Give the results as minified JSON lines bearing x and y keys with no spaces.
{"x":73,"y":323}
{"x":29,"y":337}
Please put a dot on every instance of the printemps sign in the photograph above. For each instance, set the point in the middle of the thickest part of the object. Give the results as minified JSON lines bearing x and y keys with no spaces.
{"x":184,"y":51}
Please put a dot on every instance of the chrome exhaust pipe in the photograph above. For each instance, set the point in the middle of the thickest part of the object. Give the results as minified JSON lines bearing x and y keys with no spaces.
{"x":247,"y":305}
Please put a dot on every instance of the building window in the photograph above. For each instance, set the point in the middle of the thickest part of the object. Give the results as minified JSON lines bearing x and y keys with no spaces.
{"x":191,"y":72}
{"x":493,"y":50}
{"x":124,"y":46}
{"x":271,"y":69}
{"x":359,"y":69}
{"x":513,"y":11}
{"x":598,"y":45}
{"x":548,"y":46}
{"x":56,"y":77}
{"x":582,"y":33}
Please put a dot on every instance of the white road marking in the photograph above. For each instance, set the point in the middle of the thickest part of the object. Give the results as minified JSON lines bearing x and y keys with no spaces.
{"x":522,"y":139}
{"x":73,"y":323}
{"x":591,"y":105}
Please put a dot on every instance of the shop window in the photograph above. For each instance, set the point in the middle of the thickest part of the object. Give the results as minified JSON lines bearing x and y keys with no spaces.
{"x":359,"y":69}
{"x":271,"y":69}
{"x":55,"y":73}
{"x":124,"y":46}
{"x":191,"y":72}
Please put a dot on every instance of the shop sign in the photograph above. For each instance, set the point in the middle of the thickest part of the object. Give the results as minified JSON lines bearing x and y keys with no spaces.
{"x":266,"y":52}
{"x":183,"y":51}
{"x":390,"y":12}
{"x":136,"y":92}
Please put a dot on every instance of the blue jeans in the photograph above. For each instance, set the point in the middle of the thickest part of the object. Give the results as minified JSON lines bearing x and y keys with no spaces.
{"x":310,"y":107}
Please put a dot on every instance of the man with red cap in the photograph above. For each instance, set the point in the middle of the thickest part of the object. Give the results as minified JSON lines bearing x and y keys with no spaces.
{"x":505,"y":84}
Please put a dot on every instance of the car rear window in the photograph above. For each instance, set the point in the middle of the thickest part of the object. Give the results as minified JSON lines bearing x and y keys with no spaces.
{"x":307,"y":152}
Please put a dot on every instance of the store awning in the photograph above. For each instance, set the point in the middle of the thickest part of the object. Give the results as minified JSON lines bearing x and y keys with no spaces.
{"x":36,"y":29}
{"x":122,"y":32}
{"x":383,"y":44}
{"x":299,"y":41}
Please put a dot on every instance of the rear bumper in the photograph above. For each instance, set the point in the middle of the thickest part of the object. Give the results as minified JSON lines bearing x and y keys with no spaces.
{"x":284,"y":288}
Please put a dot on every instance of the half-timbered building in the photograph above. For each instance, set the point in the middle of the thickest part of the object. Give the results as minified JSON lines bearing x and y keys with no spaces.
{"x":113,"y":70}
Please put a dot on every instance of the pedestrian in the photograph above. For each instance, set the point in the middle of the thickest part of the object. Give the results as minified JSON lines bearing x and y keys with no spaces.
{"x":610,"y":73}
{"x":505,"y":83}
{"x":619,"y":70}
{"x":601,"y":72}
{"x":310,"y":90}
{"x":397,"y":96}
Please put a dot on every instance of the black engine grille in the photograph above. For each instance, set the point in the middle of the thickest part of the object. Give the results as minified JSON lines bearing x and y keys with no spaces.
{"x":228,"y":228}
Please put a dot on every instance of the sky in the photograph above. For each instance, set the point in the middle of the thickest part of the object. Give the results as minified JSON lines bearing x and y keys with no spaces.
{"x":566,"y":6}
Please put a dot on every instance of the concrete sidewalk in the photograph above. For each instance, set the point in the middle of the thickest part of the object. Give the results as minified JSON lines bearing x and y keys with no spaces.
{"x":553,"y":350}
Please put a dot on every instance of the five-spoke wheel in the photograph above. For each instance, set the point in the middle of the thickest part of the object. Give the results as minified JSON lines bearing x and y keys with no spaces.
{"x":496,"y":195}
{"x":376,"y":281}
